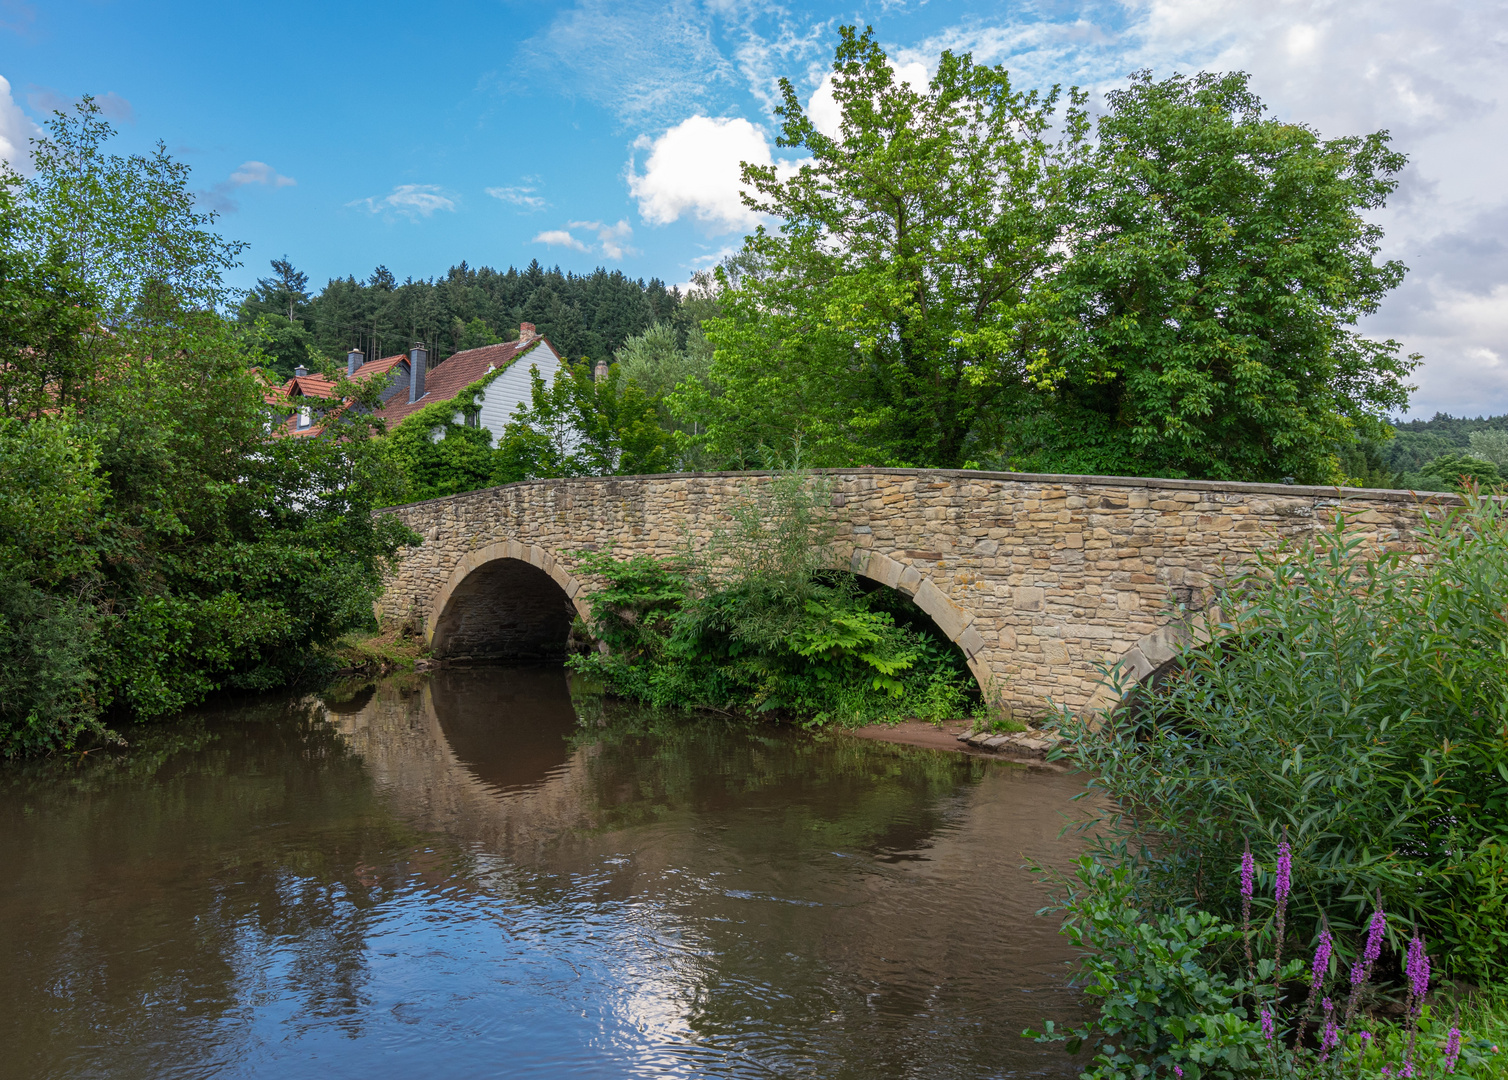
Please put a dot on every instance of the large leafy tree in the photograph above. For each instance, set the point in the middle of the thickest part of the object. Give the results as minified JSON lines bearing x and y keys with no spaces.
{"x":1171,"y":290}
{"x":894,"y":308}
{"x":156,"y":543}
{"x":1204,"y":324}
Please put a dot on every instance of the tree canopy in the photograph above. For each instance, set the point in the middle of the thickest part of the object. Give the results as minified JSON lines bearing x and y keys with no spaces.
{"x":969,"y":273}
{"x":156,"y":543}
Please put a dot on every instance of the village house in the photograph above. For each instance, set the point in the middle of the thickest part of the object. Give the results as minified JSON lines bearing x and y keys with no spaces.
{"x":410,"y":384}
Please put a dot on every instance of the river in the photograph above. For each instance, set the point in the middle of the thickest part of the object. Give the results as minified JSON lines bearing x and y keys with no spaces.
{"x":476,"y":874}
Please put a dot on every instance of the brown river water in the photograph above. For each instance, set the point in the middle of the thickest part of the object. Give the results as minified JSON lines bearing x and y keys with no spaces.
{"x":478,"y":874}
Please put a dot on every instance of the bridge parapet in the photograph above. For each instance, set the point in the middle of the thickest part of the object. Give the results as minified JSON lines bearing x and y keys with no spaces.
{"x":1037,"y":578}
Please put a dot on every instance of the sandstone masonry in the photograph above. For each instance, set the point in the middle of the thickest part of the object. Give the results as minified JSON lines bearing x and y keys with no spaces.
{"x":1037,"y":578}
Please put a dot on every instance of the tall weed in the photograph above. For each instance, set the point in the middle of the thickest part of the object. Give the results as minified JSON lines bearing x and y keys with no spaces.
{"x":1353,"y":703}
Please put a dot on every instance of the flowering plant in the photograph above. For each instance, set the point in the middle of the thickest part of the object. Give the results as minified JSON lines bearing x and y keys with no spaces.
{"x":1176,"y":1000}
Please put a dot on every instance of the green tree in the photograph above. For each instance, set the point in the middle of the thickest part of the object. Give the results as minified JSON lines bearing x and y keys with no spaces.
{"x":580,"y":426}
{"x":1454,"y":472}
{"x":168,"y":546}
{"x":893,"y":310}
{"x":1206,"y":319}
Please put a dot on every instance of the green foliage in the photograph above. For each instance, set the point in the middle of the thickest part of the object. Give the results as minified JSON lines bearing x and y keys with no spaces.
{"x":892,"y":310}
{"x":162,"y":545}
{"x":757,"y":623}
{"x":1171,"y":290}
{"x":1220,"y":261}
{"x":1363,"y":464}
{"x":581,"y":427}
{"x":1356,"y":703}
{"x":1166,"y":997}
{"x":1180,"y":995}
{"x":437,"y":454}
{"x":465,"y":308}
{"x":1454,"y":471}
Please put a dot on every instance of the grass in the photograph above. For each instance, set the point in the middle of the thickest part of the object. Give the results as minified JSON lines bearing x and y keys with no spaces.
{"x":393,"y":648}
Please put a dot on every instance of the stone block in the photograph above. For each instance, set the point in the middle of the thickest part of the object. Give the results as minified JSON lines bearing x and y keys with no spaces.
{"x":1027,"y":598}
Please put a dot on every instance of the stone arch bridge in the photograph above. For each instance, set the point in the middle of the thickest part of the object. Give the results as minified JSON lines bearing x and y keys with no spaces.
{"x":1036,"y":578}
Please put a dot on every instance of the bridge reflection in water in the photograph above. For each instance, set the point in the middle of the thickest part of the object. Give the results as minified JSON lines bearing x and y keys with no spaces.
{"x":762,"y":899}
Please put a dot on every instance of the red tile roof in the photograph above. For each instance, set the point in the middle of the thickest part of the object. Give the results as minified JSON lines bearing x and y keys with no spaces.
{"x":441,"y":383}
{"x":447,"y":379}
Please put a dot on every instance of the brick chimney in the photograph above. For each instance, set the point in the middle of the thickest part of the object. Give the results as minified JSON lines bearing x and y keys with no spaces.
{"x":600,"y":371}
{"x":526,"y":332}
{"x":418,"y":361}
{"x":354,"y":360}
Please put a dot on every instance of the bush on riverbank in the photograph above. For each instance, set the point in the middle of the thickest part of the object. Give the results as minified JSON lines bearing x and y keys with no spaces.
{"x":157,"y":544}
{"x":758,"y":622}
{"x":1353,"y":715}
{"x":1357,"y":706}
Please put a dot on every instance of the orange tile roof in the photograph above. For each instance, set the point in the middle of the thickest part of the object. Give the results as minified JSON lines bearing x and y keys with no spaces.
{"x":447,"y":379}
{"x":441,"y":383}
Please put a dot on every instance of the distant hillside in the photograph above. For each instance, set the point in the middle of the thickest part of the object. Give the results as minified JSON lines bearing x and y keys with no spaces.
{"x":1419,"y":442}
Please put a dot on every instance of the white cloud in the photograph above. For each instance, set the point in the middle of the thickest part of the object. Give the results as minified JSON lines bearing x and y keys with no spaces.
{"x":411,"y":200}
{"x":1431,"y":74}
{"x":645,"y":60}
{"x":612,"y":240}
{"x":16,"y":130}
{"x":559,"y":238}
{"x":694,"y":169}
{"x":518,"y":196}
{"x":259,"y":172}
{"x":219,"y":198}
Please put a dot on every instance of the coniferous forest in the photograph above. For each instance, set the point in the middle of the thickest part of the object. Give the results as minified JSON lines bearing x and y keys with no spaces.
{"x":583,"y":315}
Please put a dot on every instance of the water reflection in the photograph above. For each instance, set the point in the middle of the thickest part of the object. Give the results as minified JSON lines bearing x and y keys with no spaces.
{"x":455,"y":878}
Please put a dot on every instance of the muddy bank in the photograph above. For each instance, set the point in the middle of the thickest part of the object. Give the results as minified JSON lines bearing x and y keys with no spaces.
{"x":951,"y":735}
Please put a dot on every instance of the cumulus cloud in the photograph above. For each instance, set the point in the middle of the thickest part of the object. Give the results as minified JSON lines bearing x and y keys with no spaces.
{"x":220,"y":197}
{"x":413,"y":201}
{"x":1430,"y":74}
{"x":16,"y":130}
{"x":694,"y":168}
{"x":611,"y":240}
{"x":518,"y":196}
{"x":559,"y":238}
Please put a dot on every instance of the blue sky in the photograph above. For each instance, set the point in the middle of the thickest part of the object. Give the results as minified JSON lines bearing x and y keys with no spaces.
{"x":608,"y":132}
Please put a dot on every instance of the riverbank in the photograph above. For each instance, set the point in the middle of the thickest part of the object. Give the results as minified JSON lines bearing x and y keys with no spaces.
{"x":960,"y":736}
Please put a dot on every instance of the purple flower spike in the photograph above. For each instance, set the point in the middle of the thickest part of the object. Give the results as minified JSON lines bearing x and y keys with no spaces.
{"x":1417,"y":967}
{"x":1268,"y":1027}
{"x":1248,"y":873}
{"x":1178,"y":1072}
{"x":1452,"y":1049}
{"x":1375,"y":932}
{"x":1285,"y":874}
{"x":1322,"y":956}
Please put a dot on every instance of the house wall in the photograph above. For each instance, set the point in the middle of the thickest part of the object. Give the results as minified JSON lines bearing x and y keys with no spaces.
{"x":509,"y":390}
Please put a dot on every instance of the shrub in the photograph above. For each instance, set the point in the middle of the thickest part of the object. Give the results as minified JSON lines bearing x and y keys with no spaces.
{"x":757,"y":622}
{"x":1185,"y":994}
{"x":1354,"y":703}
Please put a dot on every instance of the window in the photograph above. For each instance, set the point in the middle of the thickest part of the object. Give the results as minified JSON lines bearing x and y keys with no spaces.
{"x":304,"y":416}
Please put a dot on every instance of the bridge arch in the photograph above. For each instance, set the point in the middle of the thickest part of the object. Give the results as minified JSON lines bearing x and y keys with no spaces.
{"x":952,"y":619}
{"x":1038,"y":579}
{"x":504,"y":601}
